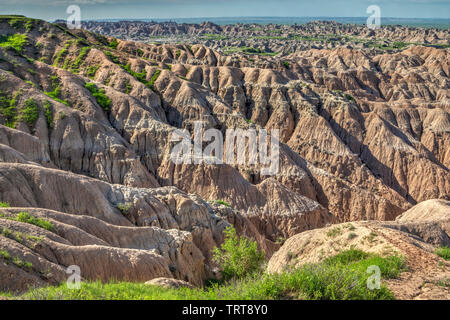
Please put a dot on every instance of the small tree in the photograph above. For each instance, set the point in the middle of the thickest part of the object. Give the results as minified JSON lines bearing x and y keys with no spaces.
{"x":237,"y":257}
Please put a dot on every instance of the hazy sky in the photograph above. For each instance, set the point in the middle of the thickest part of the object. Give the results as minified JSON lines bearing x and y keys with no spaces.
{"x":107,"y":9}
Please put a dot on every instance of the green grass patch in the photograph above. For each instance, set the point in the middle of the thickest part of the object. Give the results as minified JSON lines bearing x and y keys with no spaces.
{"x":55,"y":94}
{"x":8,"y":108}
{"x":443,"y":252}
{"x":222,"y":202}
{"x":238,"y":257}
{"x":334,"y":232}
{"x":4,"y":204}
{"x":113,"y":44}
{"x":342,"y":277}
{"x":30,"y":112}
{"x":48,"y":112}
{"x":124,"y":208}
{"x":25,"y":217}
{"x":76,"y":64}
{"x":111,"y":56}
{"x":92,"y":70}
{"x":15,"y":260}
{"x":99,"y":94}
{"x":15,"y":41}
{"x":61,"y":54}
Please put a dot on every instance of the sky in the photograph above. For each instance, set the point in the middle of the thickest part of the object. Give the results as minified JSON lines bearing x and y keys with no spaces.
{"x":147,"y":9}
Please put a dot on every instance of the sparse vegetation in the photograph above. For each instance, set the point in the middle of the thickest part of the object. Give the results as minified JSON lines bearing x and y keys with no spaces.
{"x":28,"y":218}
{"x":99,"y":94}
{"x":342,"y":277}
{"x":113,"y":44}
{"x":124,"y":208}
{"x":153,"y":79}
{"x":16,"y":41}
{"x":238,"y":257}
{"x":443,"y":252}
{"x":92,"y":70}
{"x":15,"y":260}
{"x":112,"y":57}
{"x":48,"y":112}
{"x":352,"y":235}
{"x":334,"y":232}
{"x":226,"y":204}
{"x":349,"y":97}
{"x":30,"y":112}
{"x":61,"y":54}
{"x":8,"y":109}
{"x":76,"y":64}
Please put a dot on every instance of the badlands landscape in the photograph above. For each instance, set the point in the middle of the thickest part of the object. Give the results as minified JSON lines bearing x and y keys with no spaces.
{"x":86,"y":178}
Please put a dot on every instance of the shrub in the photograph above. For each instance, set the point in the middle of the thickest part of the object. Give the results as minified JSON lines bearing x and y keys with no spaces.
{"x":226,"y":204}
{"x":286,"y":64}
{"x":76,"y":64}
{"x":99,"y":95}
{"x":92,"y":70}
{"x":31,"y":111}
{"x":113,"y":44}
{"x":153,"y":79}
{"x":15,"y":41}
{"x":61,"y":54}
{"x":4,"y":204}
{"x":112,"y":57}
{"x":8,"y":109}
{"x":443,"y":252}
{"x":48,"y":113}
{"x":124,"y":208}
{"x":238,"y":257}
{"x":39,"y":222}
{"x":55,"y":94}
{"x":334,"y":232}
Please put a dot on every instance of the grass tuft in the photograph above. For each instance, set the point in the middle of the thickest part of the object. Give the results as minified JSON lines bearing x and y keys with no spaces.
{"x":443,"y":252}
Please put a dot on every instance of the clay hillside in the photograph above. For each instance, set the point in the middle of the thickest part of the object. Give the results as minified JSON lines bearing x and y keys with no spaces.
{"x":85,"y":141}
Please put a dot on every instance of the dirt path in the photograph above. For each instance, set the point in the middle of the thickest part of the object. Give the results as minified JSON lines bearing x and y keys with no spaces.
{"x":428,"y":276}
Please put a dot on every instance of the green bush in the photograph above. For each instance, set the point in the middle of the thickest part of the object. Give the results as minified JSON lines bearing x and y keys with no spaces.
{"x":443,"y":252}
{"x":15,"y":41}
{"x":92,"y":70}
{"x":28,"y":218}
{"x":124,"y":208}
{"x":238,"y":257}
{"x":55,"y":94}
{"x":61,"y":54}
{"x":226,"y":204}
{"x":39,"y":222}
{"x":30,"y":112}
{"x":8,"y":109}
{"x":48,"y":113}
{"x":113,"y":44}
{"x":99,"y":95}
{"x":76,"y":64}
{"x":4,"y":204}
